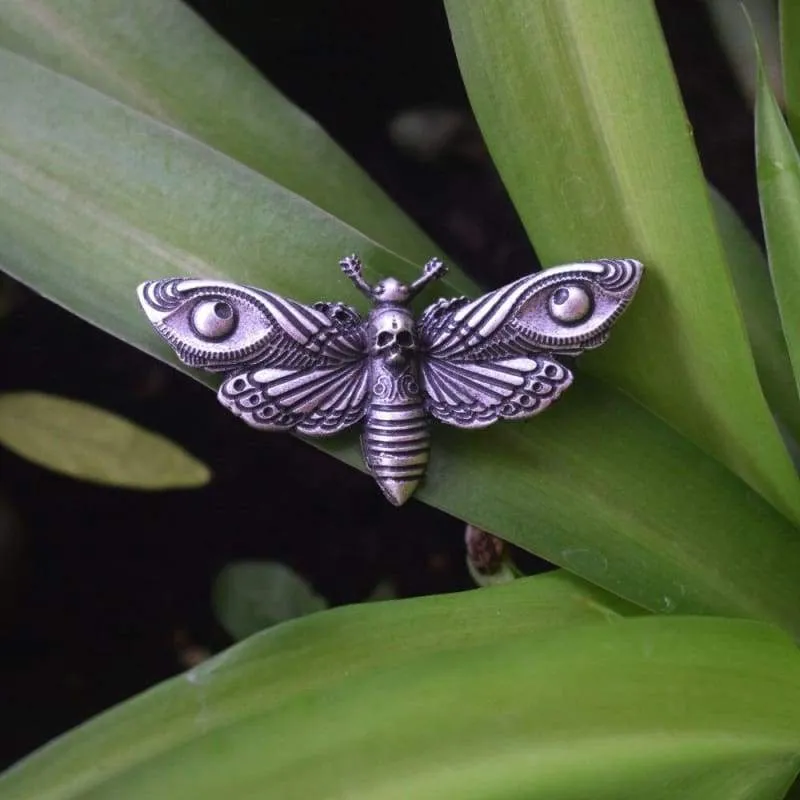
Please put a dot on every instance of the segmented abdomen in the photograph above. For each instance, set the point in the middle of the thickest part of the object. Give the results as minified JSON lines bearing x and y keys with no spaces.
{"x":396,"y":447}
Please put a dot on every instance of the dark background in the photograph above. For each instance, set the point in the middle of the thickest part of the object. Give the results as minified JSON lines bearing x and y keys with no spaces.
{"x":102,"y":589}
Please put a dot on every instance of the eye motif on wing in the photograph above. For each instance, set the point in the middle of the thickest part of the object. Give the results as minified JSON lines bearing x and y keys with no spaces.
{"x":318,"y":369}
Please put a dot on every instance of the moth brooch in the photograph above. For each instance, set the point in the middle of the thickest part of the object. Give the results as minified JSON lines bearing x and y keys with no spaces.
{"x":319,"y":369}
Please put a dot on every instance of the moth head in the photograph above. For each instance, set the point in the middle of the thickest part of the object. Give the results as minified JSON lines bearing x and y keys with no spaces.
{"x":208,"y":324}
{"x":392,"y":337}
{"x":573,"y":307}
{"x":391,"y":290}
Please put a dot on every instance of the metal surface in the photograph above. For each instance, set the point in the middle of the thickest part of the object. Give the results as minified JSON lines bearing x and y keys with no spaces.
{"x":319,"y":369}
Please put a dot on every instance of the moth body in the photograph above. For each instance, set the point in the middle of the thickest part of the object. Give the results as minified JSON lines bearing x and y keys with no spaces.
{"x":396,"y":439}
{"x":321,"y":368}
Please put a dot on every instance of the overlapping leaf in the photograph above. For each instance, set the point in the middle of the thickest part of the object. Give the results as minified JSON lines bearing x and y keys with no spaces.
{"x":779,"y":193}
{"x":750,"y":272}
{"x":581,"y":113}
{"x":95,"y":197}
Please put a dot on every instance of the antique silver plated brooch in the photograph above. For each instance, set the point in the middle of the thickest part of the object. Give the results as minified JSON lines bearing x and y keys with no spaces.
{"x":319,"y":369}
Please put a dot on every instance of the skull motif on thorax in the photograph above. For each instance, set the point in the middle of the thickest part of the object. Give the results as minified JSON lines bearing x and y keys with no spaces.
{"x":392,"y":337}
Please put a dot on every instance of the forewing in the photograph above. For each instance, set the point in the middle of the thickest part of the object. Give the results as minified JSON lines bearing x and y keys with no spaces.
{"x":493,"y":358}
{"x":476,"y":394}
{"x":261,"y":326}
{"x":538,"y":313}
{"x":291,"y":366}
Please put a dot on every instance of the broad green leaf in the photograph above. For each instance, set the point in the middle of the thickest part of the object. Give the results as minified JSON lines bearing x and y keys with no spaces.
{"x":91,"y":444}
{"x":307,"y":655}
{"x":249,"y":596}
{"x":779,"y":194}
{"x":789,"y":15}
{"x":95,"y":198}
{"x":581,"y":113}
{"x":756,"y":296}
{"x":159,"y":57}
{"x":647,"y":707}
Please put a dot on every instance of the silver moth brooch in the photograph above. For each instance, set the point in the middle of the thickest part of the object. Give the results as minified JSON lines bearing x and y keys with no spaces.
{"x":318,"y":369}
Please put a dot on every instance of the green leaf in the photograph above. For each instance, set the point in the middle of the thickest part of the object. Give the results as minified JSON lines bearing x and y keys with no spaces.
{"x":303,"y":656}
{"x":159,"y":57}
{"x":754,"y":290}
{"x":249,"y":596}
{"x":779,"y":194}
{"x":733,"y":25}
{"x":789,"y":15}
{"x":95,"y":198}
{"x":91,"y":444}
{"x":581,"y":113}
{"x":387,"y":701}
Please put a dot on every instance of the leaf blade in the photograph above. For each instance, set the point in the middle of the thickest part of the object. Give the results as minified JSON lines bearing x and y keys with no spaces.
{"x":580,"y":110}
{"x":88,"y":211}
{"x":750,"y":272}
{"x":697,"y":701}
{"x":778,"y":170}
{"x":789,"y":20}
{"x":91,"y":444}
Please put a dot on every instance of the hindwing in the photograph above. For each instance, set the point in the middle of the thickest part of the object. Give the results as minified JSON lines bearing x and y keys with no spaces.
{"x":471,"y":394}
{"x":288,"y":366}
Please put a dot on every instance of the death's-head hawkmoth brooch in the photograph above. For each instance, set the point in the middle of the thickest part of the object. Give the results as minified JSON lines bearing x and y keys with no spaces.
{"x":319,"y":369}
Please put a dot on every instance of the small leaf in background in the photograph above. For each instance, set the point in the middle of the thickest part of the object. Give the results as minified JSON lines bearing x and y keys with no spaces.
{"x":249,"y":596}
{"x":779,"y":194}
{"x":91,"y":444}
{"x":385,"y":590}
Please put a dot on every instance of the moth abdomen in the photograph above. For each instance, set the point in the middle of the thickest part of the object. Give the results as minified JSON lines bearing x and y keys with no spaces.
{"x":396,"y":445}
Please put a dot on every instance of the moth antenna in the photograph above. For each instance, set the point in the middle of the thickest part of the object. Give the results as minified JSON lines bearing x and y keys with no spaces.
{"x":433,"y":270}
{"x":351,"y":266}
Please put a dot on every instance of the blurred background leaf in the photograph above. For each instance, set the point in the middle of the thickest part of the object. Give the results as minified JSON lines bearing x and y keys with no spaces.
{"x":249,"y":596}
{"x":789,"y":18}
{"x":779,"y":194}
{"x":92,"y":444}
{"x":702,"y":708}
{"x":734,"y":24}
{"x":756,"y":295}
{"x":611,"y":169}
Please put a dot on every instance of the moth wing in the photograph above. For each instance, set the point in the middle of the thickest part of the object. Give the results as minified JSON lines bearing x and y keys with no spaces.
{"x":471,"y":394}
{"x":257,"y":326}
{"x":291,"y":366}
{"x":494,"y":357}
{"x":317,"y":401}
{"x":564,"y":310}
